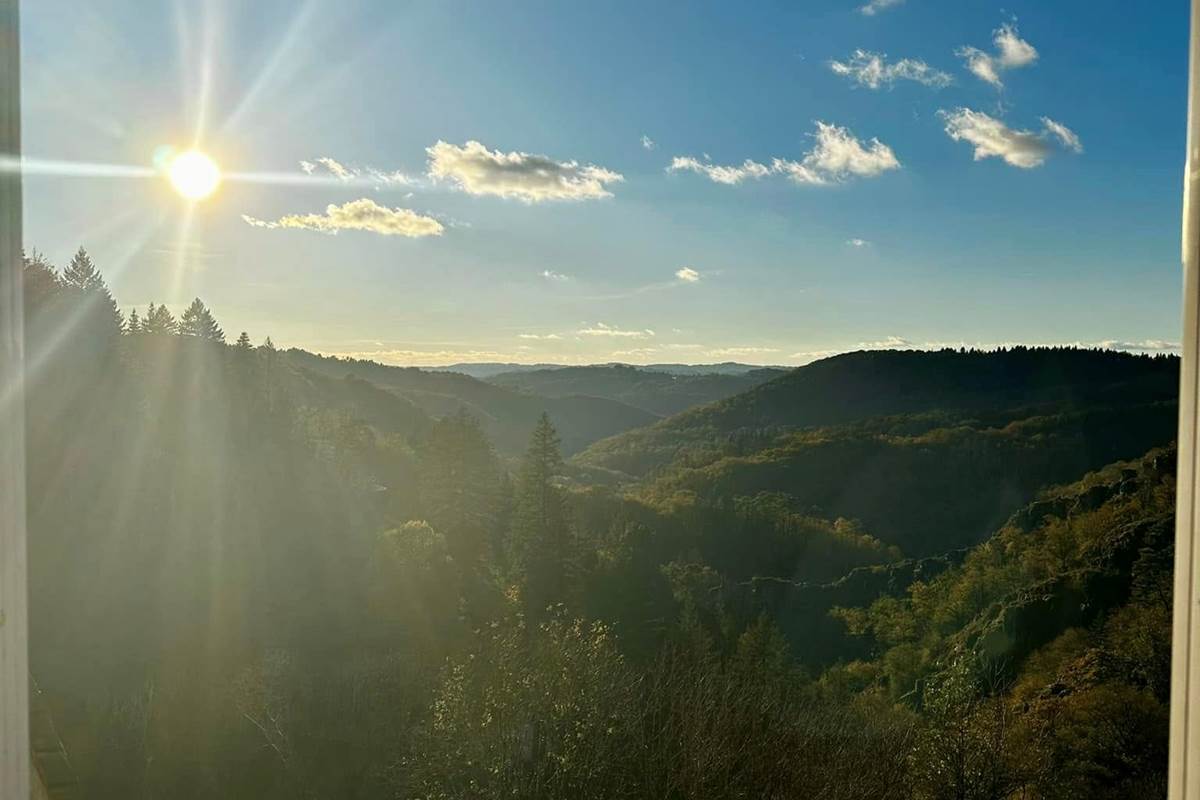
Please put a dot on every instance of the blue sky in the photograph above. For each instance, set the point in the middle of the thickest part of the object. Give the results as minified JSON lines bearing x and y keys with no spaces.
{"x":827,"y":241}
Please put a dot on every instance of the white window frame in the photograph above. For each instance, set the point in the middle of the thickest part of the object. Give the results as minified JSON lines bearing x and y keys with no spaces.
{"x":1184,"y":771}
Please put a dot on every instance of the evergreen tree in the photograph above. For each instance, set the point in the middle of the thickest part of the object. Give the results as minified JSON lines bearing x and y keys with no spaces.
{"x":41,"y":282}
{"x":100,"y":319}
{"x":199,"y":322}
{"x":134,"y":323}
{"x":459,"y":486}
{"x":82,"y":274}
{"x":159,"y":321}
{"x":541,"y":542}
{"x":243,"y":341}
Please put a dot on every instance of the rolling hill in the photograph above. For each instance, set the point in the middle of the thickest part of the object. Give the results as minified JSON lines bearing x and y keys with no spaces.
{"x":660,"y":392}
{"x":858,"y":386}
{"x":508,"y":416}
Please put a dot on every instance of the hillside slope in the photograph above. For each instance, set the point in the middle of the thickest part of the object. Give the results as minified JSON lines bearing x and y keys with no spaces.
{"x":660,"y":393}
{"x":861,"y":385}
{"x":507,"y":416}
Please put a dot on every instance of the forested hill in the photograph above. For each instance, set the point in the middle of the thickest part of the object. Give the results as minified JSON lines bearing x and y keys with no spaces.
{"x":507,"y":416}
{"x":658,"y":391}
{"x":866,"y":384}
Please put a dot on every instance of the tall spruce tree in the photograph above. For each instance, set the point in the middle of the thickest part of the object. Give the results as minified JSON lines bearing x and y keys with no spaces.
{"x":460,"y":480}
{"x":199,"y":322}
{"x":541,"y":545}
{"x":243,"y":341}
{"x":100,"y":319}
{"x":134,"y":323}
{"x":159,"y":321}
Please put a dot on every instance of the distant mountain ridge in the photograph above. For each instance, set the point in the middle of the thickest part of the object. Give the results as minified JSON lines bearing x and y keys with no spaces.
{"x":659,"y":392}
{"x":488,"y":369}
{"x":507,"y":416}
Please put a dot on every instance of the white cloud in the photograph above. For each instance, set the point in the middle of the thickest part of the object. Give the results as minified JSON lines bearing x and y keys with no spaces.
{"x":600,"y":329}
{"x":740,"y":352}
{"x":1012,"y":52}
{"x":729,"y":175}
{"x":1144,"y":346}
{"x":687,"y":275}
{"x":547,"y":337}
{"x":872,"y":70}
{"x":994,"y":139}
{"x":551,"y":275}
{"x":858,"y":243}
{"x":363,"y":175}
{"x":837,"y":156}
{"x":1068,"y":137}
{"x":873,"y":7}
{"x":476,"y":170}
{"x":648,"y":143}
{"x":359,"y":215}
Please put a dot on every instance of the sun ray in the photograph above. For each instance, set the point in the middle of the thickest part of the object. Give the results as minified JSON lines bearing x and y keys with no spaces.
{"x":72,"y":169}
{"x":286,"y":46}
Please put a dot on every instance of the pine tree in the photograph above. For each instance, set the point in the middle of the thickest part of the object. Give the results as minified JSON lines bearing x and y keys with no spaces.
{"x":199,"y":322}
{"x":82,"y":274}
{"x":460,"y":477}
{"x":134,"y":323}
{"x":159,"y":321}
{"x":100,"y":319}
{"x":541,"y":543}
{"x":243,"y":341}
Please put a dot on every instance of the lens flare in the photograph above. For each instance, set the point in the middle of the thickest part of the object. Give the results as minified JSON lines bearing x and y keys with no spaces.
{"x":194,"y":175}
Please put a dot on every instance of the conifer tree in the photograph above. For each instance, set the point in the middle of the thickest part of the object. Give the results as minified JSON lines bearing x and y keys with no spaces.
{"x":100,"y":318}
{"x":159,"y":321}
{"x":199,"y":322}
{"x":541,"y":542}
{"x":243,"y":341}
{"x":460,"y":478}
{"x":134,"y":323}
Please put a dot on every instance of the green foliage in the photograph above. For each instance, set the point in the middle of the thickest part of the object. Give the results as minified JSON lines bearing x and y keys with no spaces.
{"x":256,"y":576}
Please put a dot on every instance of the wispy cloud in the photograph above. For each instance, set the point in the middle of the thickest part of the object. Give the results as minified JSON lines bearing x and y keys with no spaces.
{"x":729,"y":175}
{"x":540,"y":337}
{"x":601,"y":329}
{"x":1012,"y":52}
{"x":476,"y":170}
{"x":687,"y":275}
{"x":836,"y":157}
{"x":1144,"y":346}
{"x":875,"y":6}
{"x":1068,"y":137}
{"x":358,"y":215}
{"x":348,"y":174}
{"x":551,"y":275}
{"x":872,"y":71}
{"x":648,"y":143}
{"x":992,"y":138}
{"x":740,"y":352}
{"x":858,"y":243}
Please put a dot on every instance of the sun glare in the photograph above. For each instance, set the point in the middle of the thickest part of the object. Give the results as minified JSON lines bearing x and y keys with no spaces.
{"x":194,"y":175}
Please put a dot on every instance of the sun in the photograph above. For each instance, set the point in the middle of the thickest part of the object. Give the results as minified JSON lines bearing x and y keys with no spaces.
{"x":194,"y":175}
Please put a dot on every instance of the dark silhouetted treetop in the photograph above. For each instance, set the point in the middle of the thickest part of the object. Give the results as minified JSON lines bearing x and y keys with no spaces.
{"x":100,"y":317}
{"x":199,"y":322}
{"x":134,"y":323}
{"x":82,"y":274}
{"x":243,"y":341}
{"x":159,"y":321}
